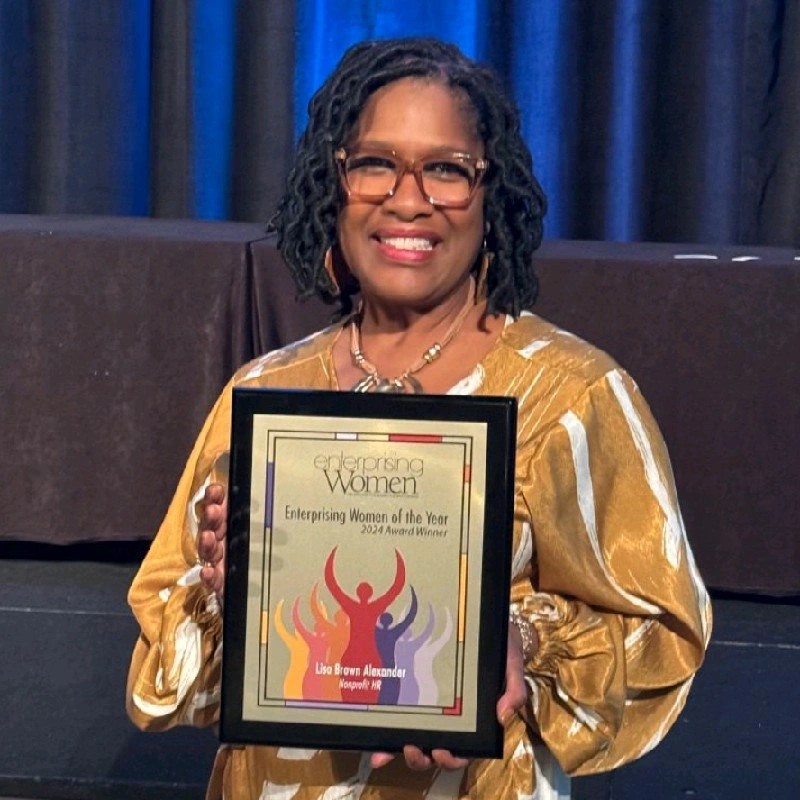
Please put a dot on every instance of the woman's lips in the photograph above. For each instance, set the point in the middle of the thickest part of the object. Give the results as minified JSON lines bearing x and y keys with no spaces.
{"x":406,"y":248}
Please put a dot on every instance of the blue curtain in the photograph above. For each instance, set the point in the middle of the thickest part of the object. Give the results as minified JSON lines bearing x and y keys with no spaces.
{"x":326,"y":29}
{"x":640,"y":114}
{"x":662,"y":120}
{"x":213,"y":49}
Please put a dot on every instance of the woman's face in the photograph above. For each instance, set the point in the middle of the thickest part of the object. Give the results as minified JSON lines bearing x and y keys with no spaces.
{"x":403,"y":250}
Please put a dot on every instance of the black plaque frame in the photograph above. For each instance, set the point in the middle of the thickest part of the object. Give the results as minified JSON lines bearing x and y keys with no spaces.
{"x":498,"y":414}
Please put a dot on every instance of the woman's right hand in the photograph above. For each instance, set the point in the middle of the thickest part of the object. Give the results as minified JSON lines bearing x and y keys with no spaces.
{"x":211,"y":539}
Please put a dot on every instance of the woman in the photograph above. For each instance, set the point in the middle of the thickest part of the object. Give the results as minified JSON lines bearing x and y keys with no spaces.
{"x":413,"y":188}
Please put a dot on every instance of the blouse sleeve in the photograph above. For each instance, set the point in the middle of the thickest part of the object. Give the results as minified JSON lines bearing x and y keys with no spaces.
{"x":622,"y":614}
{"x":174,"y":676}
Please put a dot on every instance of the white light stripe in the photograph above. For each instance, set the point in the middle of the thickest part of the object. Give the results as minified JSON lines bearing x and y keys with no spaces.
{"x":260,"y":364}
{"x":673,"y":526}
{"x":191,"y":577}
{"x":551,"y":782}
{"x":352,"y":788}
{"x":470,"y":384}
{"x":635,"y":636}
{"x":277,"y":791}
{"x":524,"y":750}
{"x":529,"y":387}
{"x":582,"y":714}
{"x":669,"y":718}
{"x":153,"y":709}
{"x":535,"y":693}
{"x":69,"y":612}
{"x":583,"y":478}
{"x":296,"y":753}
{"x":760,"y":645}
{"x":186,"y":664}
{"x":524,"y":552}
{"x":200,"y":700}
{"x":534,"y":347}
{"x":191,"y":510}
{"x":446,"y":785}
{"x":702,"y":594}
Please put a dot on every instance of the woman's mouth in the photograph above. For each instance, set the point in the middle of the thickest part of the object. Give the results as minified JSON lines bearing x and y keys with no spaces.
{"x":407,"y":243}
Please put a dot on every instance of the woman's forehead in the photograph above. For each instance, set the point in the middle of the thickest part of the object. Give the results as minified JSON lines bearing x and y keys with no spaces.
{"x":418,"y":113}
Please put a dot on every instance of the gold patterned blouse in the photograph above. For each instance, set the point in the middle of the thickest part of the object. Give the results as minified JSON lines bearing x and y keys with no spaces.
{"x":601,"y":568}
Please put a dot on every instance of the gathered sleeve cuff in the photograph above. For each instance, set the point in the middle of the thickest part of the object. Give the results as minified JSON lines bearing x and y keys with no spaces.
{"x":621,"y":613}
{"x":175,"y":671}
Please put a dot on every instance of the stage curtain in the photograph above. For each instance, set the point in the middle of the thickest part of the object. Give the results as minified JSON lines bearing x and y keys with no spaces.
{"x":179,"y":109}
{"x":661,"y":120}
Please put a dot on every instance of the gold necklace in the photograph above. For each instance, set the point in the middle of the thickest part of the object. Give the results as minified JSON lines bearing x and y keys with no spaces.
{"x":405,"y":383}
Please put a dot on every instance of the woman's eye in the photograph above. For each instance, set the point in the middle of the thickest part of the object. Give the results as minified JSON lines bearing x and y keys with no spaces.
{"x":370,"y":163}
{"x":448,"y":170}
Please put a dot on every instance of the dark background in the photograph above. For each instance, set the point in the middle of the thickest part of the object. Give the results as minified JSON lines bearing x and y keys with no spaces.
{"x":649,"y":120}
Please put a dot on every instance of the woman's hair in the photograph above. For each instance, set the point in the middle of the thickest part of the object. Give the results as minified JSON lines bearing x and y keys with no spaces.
{"x":514,"y":203}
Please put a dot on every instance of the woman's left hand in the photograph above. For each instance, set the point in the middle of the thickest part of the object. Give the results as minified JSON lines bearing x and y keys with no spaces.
{"x":512,"y":700}
{"x":516,"y":694}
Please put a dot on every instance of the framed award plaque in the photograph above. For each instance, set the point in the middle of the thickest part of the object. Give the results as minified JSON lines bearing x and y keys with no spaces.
{"x":367,"y":570}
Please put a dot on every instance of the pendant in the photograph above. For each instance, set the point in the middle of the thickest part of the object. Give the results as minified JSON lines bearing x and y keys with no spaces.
{"x":406,"y":384}
{"x":389,"y":387}
{"x":416,"y":386}
{"x":366,"y":384}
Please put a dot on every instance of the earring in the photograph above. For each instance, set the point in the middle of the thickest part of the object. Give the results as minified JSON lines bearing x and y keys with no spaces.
{"x":331,"y":273}
{"x":481,"y":285}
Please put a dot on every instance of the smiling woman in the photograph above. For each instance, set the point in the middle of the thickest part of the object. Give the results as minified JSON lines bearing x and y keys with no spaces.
{"x":412,"y":204}
{"x":412,"y":254}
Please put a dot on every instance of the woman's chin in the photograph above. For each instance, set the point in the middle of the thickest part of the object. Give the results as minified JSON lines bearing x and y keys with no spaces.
{"x":407,"y":289}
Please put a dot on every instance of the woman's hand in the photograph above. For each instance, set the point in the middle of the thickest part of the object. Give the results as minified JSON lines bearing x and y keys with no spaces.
{"x":512,"y":700}
{"x":416,"y":759}
{"x":516,"y":694}
{"x":211,"y":539}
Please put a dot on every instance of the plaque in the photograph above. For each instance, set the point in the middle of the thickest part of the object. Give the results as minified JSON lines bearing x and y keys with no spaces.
{"x":367,"y":570}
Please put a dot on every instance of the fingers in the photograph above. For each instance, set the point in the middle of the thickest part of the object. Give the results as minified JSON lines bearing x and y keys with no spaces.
{"x":417,"y":760}
{"x":211,"y":539}
{"x":215,"y":493}
{"x":215,"y":510}
{"x":446,"y":760}
{"x":209,"y":548}
{"x":438,"y":757}
{"x":214,"y":579}
{"x":378,"y":760}
{"x":516,"y":690}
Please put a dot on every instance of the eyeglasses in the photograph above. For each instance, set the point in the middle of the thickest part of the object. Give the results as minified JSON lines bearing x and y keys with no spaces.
{"x":448,"y":180}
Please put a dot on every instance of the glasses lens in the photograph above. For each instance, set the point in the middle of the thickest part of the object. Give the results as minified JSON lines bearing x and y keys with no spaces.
{"x":370,"y":175}
{"x":448,"y":180}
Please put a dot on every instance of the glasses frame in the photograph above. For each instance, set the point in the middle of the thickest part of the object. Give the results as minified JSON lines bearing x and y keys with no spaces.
{"x":414,"y":166}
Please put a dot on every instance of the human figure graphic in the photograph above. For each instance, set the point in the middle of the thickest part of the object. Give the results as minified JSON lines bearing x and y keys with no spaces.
{"x":423,"y":664}
{"x":298,"y":657}
{"x":386,"y":636}
{"x":317,"y":683}
{"x":337,"y":630}
{"x":404,"y":652}
{"x":363,"y":612}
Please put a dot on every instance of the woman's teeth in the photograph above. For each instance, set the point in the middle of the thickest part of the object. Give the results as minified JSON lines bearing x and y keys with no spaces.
{"x":408,"y":243}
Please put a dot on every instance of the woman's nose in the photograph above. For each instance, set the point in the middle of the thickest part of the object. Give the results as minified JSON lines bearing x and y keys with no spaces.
{"x":408,"y":197}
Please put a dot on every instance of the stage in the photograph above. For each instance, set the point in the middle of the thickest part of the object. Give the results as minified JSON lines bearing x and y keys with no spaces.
{"x":67,"y":636}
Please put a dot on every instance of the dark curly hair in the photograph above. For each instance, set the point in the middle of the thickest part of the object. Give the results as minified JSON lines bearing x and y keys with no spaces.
{"x":514,"y":203}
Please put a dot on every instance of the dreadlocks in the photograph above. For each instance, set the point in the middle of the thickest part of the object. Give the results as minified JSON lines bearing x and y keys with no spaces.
{"x":514,"y":204}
